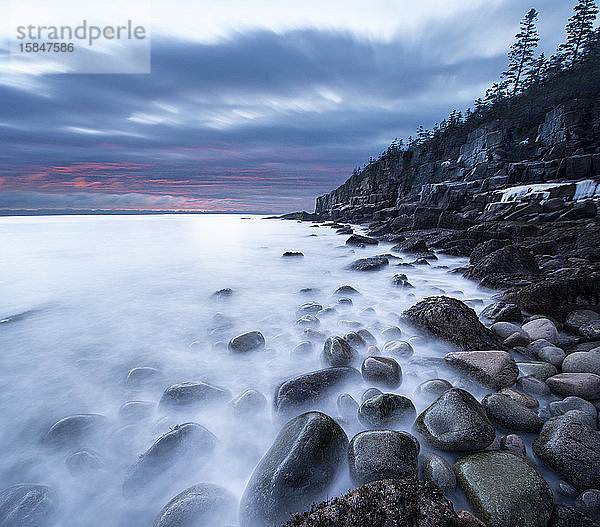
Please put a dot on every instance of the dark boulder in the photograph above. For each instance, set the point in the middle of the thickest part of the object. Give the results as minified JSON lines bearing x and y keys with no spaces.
{"x":382,"y":371}
{"x":493,"y":369}
{"x":298,"y":469}
{"x":486,"y":248}
{"x":382,"y":454}
{"x":502,"y":312}
{"x":387,"y":410}
{"x":456,"y":422}
{"x":563,"y":516}
{"x":369,"y":264}
{"x":185,"y":394}
{"x":452,"y":321}
{"x":185,"y":444}
{"x":75,"y":430}
{"x":505,"y":489}
{"x":202,"y":504}
{"x":508,"y":413}
{"x":425,"y":218}
{"x":357,"y":240}
{"x":437,"y":470}
{"x":307,"y":390}
{"x":337,"y":352}
{"x":250,"y":341}
{"x":510,"y":260}
{"x":387,"y":503}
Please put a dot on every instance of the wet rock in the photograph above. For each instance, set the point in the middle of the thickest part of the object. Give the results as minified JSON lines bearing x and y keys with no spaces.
{"x":509,"y":260}
{"x":516,"y":339}
{"x":557,"y":408}
{"x":513,"y":443}
{"x":467,"y":519}
{"x":541,"y":328}
{"x":510,"y":414}
{"x":250,"y":341}
{"x":298,"y":469}
{"x":558,"y":294}
{"x":520,"y":397}
{"x":75,"y":430}
{"x":563,"y":516}
{"x":368,"y":337}
{"x":202,"y":504}
{"x":369,"y":264}
{"x":505,"y":489}
{"x":393,"y":502}
{"x":382,"y":454}
{"x":347,"y":406}
{"x":308,"y":308}
{"x":532,"y":385}
{"x":28,"y":506}
{"x":552,"y":355}
{"x":346,"y":290}
{"x":307,"y":390}
{"x":337,"y":352}
{"x":222,"y":294}
{"x":431,"y":389}
{"x":582,"y":362}
{"x":357,"y":240}
{"x":538,"y":369}
{"x":486,"y":248}
{"x":381,"y":370}
{"x":399,"y":349}
{"x":387,"y":410}
{"x":345,"y":301}
{"x":185,"y":444}
{"x":584,"y":385}
{"x":249,"y":402}
{"x":584,"y":322}
{"x":304,"y":348}
{"x":371,"y":392}
{"x":134,"y":411}
{"x":505,"y":329}
{"x":570,"y":444}
{"x":391,"y":333}
{"x":188,"y":394}
{"x":452,"y":321}
{"x":401,"y":280}
{"x":589,"y":500}
{"x":355,"y":340}
{"x":437,"y":470}
{"x":494,"y":369}
{"x":84,"y":463}
{"x":308,"y":321}
{"x":502,"y":312}
{"x":456,"y":422}
{"x":142,"y":375}
{"x":565,"y":489}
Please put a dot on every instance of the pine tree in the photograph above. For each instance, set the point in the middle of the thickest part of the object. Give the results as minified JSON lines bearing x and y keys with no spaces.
{"x":521,"y":52}
{"x":591,"y":47}
{"x":538,"y":71}
{"x":580,"y":29}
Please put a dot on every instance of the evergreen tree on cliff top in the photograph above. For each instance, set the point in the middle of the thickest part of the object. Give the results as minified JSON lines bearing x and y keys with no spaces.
{"x":580,"y":30}
{"x":521,"y":52}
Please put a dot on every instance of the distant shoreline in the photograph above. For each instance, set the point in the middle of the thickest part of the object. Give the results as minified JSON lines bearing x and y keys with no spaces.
{"x":70,"y":212}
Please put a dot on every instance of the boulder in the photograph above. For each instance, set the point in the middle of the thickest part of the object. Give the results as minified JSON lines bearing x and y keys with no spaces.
{"x":399,"y":349}
{"x":563,"y":516}
{"x":382,"y":454}
{"x":556,"y":408}
{"x":456,"y":422}
{"x":186,"y":394}
{"x":513,"y":443}
{"x":425,"y":218}
{"x":570,"y":444}
{"x":520,"y":397}
{"x":337,"y":352}
{"x":437,"y":470}
{"x":84,"y":463}
{"x":28,"y":506}
{"x":309,"y":389}
{"x":250,"y":341}
{"x":505,"y":489}
{"x":75,"y":430}
{"x":202,"y":504}
{"x":584,"y":322}
{"x":502,"y":312}
{"x":357,"y":240}
{"x":453,"y":321}
{"x":486,"y":248}
{"x":584,"y":385}
{"x":431,"y":389}
{"x":509,"y":260}
{"x":510,"y":414}
{"x":541,"y":328}
{"x":381,"y":370}
{"x":582,"y":362}
{"x":493,"y":369}
{"x":347,"y":406}
{"x":248,"y":403}
{"x":538,"y":369}
{"x":297,"y":470}
{"x":185,"y":444}
{"x":387,"y":410}
{"x":393,"y":502}
{"x":308,"y":308}
{"x":369,"y":264}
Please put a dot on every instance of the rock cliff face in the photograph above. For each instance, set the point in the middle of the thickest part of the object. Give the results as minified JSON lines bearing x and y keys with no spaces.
{"x":482,"y":172}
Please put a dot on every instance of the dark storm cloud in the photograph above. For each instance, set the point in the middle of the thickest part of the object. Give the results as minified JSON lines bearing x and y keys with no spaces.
{"x":257,"y":118}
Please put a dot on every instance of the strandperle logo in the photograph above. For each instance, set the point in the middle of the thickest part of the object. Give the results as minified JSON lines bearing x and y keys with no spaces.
{"x":84,"y":32}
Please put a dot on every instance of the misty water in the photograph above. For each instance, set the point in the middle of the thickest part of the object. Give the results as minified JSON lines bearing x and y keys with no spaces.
{"x":102,"y":295}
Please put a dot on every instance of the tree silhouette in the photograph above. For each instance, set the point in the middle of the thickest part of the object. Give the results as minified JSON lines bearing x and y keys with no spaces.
{"x":580,"y":29}
{"x":521,"y":52}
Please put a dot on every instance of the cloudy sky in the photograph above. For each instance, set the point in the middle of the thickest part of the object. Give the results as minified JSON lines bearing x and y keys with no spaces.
{"x":250,"y":106}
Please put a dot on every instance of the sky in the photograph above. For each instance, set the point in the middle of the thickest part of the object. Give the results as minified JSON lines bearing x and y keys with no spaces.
{"x":249,"y":106}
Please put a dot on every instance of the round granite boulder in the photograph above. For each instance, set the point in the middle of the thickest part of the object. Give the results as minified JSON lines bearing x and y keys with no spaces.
{"x":493,"y":369}
{"x":337,"y":352}
{"x":251,"y":341}
{"x":505,"y":489}
{"x":28,"y":506}
{"x":510,"y":414}
{"x":387,"y":410}
{"x":456,"y":422}
{"x":382,"y":371}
